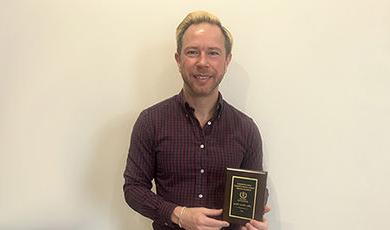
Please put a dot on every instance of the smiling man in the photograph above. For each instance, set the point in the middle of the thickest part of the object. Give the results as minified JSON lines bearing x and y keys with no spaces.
{"x":186,"y":142}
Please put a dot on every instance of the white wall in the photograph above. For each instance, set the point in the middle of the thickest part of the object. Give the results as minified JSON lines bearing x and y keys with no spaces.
{"x":75,"y":74}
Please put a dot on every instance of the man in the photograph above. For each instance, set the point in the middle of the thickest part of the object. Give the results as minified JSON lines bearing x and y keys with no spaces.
{"x":186,"y":142}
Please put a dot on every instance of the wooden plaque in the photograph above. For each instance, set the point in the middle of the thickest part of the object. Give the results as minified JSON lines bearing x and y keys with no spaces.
{"x":245,"y":195}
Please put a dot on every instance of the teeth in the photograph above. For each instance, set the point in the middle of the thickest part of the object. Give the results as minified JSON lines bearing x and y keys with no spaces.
{"x":201,"y":77}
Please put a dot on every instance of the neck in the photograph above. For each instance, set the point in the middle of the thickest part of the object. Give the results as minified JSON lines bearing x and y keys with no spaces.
{"x":204,"y":105}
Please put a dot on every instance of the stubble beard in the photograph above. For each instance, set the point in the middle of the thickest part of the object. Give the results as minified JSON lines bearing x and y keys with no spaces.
{"x":195,"y":91}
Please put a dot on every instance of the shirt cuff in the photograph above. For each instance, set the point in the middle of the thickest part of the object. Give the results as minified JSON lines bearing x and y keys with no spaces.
{"x":165,"y":213}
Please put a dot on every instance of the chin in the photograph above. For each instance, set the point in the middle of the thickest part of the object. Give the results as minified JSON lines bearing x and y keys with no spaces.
{"x":203,"y":93}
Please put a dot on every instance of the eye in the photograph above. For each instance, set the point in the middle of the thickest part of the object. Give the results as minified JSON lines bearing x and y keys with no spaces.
{"x":192,"y":53}
{"x":214,"y":53}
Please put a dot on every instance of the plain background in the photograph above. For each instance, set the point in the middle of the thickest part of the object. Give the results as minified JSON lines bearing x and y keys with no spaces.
{"x":74,"y":75}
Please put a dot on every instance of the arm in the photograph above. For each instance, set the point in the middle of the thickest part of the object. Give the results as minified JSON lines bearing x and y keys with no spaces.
{"x":198,"y":218}
{"x":139,"y":174}
{"x":254,"y":160}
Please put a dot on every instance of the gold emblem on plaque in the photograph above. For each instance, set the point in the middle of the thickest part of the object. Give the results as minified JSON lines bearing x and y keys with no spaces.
{"x":243,"y":195}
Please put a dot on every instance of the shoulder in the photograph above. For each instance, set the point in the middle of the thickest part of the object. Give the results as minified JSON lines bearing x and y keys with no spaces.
{"x":237,"y":116}
{"x":156,"y":115}
{"x":166,"y":106}
{"x":161,"y":112}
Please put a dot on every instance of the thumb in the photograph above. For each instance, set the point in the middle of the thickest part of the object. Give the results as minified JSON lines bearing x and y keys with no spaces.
{"x":267,"y":208}
{"x":212,"y":212}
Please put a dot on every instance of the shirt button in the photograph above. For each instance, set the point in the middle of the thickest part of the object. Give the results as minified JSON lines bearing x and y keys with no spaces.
{"x":202,"y":146}
{"x":200,"y":196}
{"x":166,"y":224}
{"x":202,"y":171}
{"x":209,"y":122}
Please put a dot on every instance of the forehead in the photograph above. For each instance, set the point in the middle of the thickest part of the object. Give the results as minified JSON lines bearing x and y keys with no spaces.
{"x":204,"y":34}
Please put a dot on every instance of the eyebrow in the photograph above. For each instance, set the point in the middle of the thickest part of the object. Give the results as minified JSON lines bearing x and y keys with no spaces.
{"x":209,"y":48}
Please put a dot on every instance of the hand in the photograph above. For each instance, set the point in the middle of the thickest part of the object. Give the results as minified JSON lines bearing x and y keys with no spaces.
{"x":258,"y":225}
{"x":199,"y":218}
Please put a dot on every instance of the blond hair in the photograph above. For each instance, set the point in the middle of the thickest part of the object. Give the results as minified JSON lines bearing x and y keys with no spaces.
{"x":198,"y":17}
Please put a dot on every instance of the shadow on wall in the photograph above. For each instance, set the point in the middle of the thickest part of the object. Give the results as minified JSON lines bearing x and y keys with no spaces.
{"x":235,"y":85}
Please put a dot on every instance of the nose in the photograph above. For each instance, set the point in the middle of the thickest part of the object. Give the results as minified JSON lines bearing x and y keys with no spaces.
{"x":202,"y":60}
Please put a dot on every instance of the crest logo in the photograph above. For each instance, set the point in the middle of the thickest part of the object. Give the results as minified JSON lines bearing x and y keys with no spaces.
{"x":243,"y":195}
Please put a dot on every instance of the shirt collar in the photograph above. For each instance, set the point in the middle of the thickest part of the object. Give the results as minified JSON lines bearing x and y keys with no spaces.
{"x":189,"y":110}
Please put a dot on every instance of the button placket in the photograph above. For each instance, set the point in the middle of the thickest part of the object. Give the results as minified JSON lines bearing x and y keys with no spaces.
{"x":200,"y":176}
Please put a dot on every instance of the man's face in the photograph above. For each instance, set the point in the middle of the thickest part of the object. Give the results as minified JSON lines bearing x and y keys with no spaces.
{"x":202,"y":61}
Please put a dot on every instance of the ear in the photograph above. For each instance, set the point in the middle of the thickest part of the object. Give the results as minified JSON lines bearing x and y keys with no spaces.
{"x":177,"y":58}
{"x":178,"y":61}
{"x":228,"y":59}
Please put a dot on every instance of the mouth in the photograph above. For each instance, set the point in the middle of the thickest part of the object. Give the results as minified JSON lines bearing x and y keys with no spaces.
{"x":201,"y":76}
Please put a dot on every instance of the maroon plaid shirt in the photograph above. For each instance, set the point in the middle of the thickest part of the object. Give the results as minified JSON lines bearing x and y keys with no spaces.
{"x":186,"y":161}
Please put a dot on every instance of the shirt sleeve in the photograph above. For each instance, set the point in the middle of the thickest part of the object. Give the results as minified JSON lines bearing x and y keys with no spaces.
{"x":253,"y":158}
{"x":140,"y":171}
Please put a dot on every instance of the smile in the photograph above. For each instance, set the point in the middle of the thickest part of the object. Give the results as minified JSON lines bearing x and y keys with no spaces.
{"x":202,"y":77}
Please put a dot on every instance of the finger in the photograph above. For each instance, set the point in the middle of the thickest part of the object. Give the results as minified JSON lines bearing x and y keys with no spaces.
{"x":211,"y":212}
{"x":210,"y":222}
{"x":210,"y":228}
{"x":259,"y":224}
{"x":267,"y":208}
{"x":243,"y":228}
{"x":250,"y":226}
